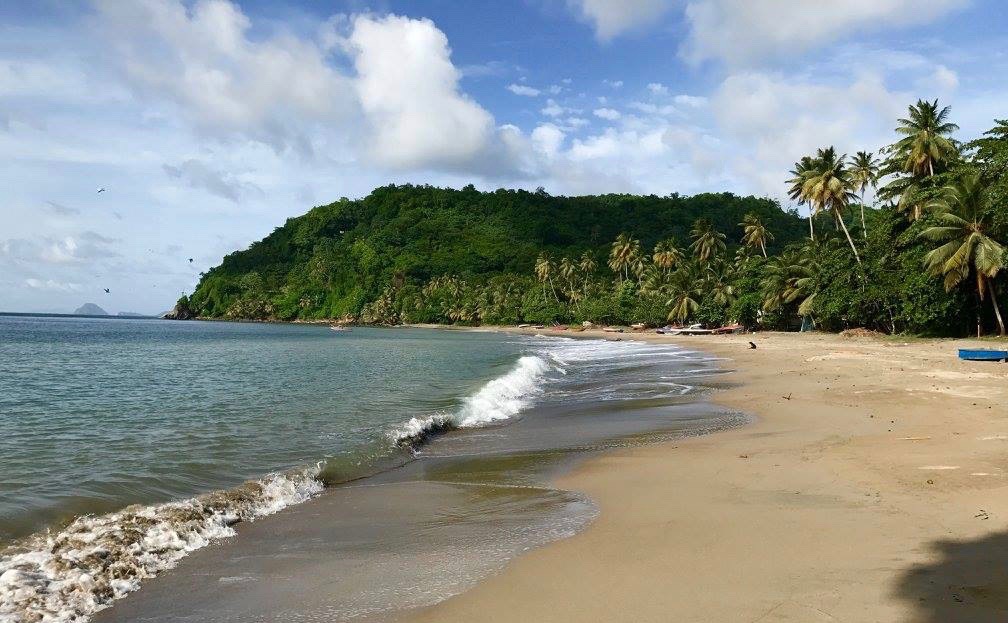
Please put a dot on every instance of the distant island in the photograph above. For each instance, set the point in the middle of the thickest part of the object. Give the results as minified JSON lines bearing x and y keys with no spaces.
{"x":90,"y":309}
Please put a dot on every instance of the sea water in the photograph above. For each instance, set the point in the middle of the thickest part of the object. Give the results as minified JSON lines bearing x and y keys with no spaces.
{"x":127,"y":445}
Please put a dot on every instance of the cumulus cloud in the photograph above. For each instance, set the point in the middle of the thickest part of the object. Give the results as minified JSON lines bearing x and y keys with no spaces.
{"x":611,"y":18}
{"x":607,"y":113}
{"x":774,"y":119}
{"x":408,"y":89}
{"x":657,"y":88}
{"x":203,"y":59}
{"x":521,"y":89}
{"x":547,"y":139}
{"x":198,"y":174}
{"x":743,"y":32}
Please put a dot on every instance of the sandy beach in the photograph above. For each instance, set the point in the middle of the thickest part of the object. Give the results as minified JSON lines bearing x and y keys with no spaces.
{"x":872,"y":487}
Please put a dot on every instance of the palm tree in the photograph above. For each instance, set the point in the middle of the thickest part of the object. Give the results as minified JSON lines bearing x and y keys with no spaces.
{"x":926,"y":146}
{"x":707,"y":241}
{"x":965,"y":215}
{"x":755,"y":234}
{"x":567,"y":270}
{"x":666,"y":255}
{"x":926,"y":138}
{"x":544,"y":272}
{"x":829,"y":188}
{"x":587,"y":266}
{"x":623,"y":254}
{"x":802,"y":170}
{"x":864,"y":172}
{"x":684,"y":293}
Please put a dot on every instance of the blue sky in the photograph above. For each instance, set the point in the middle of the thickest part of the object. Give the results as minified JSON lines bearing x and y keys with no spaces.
{"x":210,"y":122}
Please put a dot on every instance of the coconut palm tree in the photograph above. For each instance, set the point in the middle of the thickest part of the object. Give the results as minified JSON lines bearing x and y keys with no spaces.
{"x":965,"y":230}
{"x":829,"y":189}
{"x":755,"y":234}
{"x":684,"y":292}
{"x":864,"y":172}
{"x":587,"y":265}
{"x":544,"y":272}
{"x":802,"y":170}
{"x":666,"y":255}
{"x":707,"y":241}
{"x":926,"y":138}
{"x":624,"y":252}
{"x":926,"y":147}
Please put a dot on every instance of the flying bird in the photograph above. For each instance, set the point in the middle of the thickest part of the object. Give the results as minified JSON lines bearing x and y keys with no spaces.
{"x":106,"y":290}
{"x":101,"y":190}
{"x":190,"y":260}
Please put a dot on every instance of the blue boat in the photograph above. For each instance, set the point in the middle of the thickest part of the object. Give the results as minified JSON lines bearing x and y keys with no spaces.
{"x":980,"y":354}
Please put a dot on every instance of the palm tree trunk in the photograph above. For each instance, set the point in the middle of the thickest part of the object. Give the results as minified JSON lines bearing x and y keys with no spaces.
{"x":840,"y":222}
{"x":864,"y":230}
{"x":810,"y":229}
{"x":997,"y":310}
{"x":763,"y":249}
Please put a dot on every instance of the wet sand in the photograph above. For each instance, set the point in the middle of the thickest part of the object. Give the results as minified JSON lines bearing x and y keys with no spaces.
{"x":873,"y":487}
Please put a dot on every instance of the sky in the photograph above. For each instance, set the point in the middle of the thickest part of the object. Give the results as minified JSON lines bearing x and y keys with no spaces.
{"x":210,"y":122}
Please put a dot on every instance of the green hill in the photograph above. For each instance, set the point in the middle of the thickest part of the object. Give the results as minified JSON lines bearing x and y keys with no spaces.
{"x":374,"y":258}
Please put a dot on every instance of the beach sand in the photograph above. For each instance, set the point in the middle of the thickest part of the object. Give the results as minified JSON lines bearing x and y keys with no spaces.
{"x":872,"y":487}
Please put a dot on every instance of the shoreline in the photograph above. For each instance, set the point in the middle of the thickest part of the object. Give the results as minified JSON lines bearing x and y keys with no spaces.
{"x":871,"y":487}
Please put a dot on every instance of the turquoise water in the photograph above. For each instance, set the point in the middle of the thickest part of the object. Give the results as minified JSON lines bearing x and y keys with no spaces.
{"x":127,"y":445}
{"x":96,"y":414}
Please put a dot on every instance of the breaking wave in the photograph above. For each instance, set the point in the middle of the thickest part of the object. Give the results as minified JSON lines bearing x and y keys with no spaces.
{"x":66,"y":576}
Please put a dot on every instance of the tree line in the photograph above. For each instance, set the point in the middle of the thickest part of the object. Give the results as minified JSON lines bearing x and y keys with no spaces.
{"x":909,"y":238}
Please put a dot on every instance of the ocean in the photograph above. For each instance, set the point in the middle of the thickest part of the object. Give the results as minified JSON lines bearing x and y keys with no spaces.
{"x":400,"y":464}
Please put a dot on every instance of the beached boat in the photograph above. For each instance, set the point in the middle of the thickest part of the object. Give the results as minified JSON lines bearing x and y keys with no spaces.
{"x":983,"y":354}
{"x":339,"y":327}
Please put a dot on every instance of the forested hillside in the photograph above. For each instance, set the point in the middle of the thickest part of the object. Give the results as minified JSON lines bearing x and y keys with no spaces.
{"x":344,"y":259}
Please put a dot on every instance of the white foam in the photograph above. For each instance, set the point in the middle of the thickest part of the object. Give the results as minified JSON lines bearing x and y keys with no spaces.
{"x":67,"y":576}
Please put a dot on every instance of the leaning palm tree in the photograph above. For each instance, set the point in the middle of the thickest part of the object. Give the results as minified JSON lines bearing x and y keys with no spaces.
{"x":707,"y":241}
{"x":544,"y":272}
{"x":567,"y":270}
{"x":830,"y":189}
{"x":587,"y":266}
{"x":666,"y":255}
{"x":803,"y":169}
{"x":965,"y":217}
{"x":755,"y":233}
{"x":864,"y":172}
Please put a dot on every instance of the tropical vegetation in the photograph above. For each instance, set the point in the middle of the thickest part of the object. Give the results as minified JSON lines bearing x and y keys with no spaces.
{"x":909,"y":238}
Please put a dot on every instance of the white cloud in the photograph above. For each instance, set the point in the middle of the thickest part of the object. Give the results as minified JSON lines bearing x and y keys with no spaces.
{"x":547,"y":139}
{"x":50,"y":284}
{"x":743,"y":32}
{"x":657,"y":88}
{"x":607,"y":113}
{"x":692,"y":101}
{"x":227,"y":83}
{"x":408,"y":89}
{"x":613,"y":84}
{"x":611,"y":18}
{"x":945,"y":79}
{"x":521,"y":89}
{"x":774,"y":119}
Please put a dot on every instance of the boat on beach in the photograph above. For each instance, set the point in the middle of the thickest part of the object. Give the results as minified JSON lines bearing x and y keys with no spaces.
{"x":983,"y":354}
{"x":340,"y":328}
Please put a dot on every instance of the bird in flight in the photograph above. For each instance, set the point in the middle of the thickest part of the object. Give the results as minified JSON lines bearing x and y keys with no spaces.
{"x":190,"y":260}
{"x":101,"y":190}
{"x":106,"y":290}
